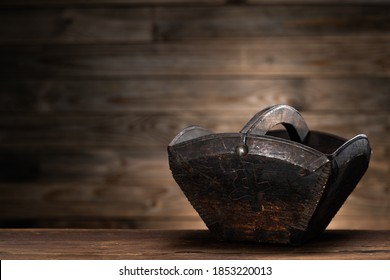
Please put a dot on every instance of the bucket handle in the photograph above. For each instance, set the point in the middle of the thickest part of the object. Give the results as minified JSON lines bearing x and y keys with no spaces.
{"x":286,"y":115}
{"x":264,"y":120}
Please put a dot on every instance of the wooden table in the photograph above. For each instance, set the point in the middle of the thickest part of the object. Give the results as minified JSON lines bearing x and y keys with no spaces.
{"x":181,"y":244}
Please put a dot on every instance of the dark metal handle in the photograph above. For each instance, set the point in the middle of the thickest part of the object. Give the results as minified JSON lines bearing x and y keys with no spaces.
{"x":286,"y":115}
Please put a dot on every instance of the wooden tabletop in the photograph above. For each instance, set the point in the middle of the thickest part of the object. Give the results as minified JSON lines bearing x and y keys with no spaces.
{"x":181,"y":244}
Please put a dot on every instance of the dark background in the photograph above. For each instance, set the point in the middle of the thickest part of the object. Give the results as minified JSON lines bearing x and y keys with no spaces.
{"x":91,"y":93}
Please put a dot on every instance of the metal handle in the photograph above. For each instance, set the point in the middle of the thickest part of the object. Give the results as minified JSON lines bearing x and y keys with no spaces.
{"x":286,"y":115}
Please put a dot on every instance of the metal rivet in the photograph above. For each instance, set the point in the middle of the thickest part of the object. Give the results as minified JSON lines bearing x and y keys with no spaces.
{"x":303,"y":172}
{"x":241,"y":149}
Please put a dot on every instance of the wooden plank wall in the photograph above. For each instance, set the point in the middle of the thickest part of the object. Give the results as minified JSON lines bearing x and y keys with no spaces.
{"x":91,"y":93}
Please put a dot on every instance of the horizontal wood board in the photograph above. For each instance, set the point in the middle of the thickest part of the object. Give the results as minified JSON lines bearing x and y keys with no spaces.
{"x":183,"y":244}
{"x":276,"y":57}
{"x":133,"y":24}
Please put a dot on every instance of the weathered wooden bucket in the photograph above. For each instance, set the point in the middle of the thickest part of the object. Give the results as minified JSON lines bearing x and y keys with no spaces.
{"x":263,"y":185}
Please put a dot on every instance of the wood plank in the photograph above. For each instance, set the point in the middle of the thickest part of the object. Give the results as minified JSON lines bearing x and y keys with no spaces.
{"x":257,"y":21}
{"x":82,"y":167}
{"x":133,"y":24}
{"x":95,"y":185}
{"x":201,"y":95}
{"x":113,"y":195}
{"x":100,"y":185}
{"x":149,"y":244}
{"x":92,"y":210}
{"x":75,"y":25}
{"x":98,"y":222}
{"x":290,"y":57}
{"x":93,"y":3}
{"x":156,"y":130}
{"x":110,"y":3}
{"x":358,"y":221}
{"x":350,"y":218}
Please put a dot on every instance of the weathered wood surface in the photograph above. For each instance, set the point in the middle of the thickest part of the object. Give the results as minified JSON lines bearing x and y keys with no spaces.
{"x":281,"y":57}
{"x":182,"y":2}
{"x":91,"y":3}
{"x":185,"y":244}
{"x":256,"y":21}
{"x":195,"y":94}
{"x":75,"y":25}
{"x":91,"y":92}
{"x":118,"y":24}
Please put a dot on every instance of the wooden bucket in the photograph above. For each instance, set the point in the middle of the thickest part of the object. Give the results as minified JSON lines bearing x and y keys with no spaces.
{"x":265,"y":185}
